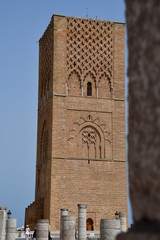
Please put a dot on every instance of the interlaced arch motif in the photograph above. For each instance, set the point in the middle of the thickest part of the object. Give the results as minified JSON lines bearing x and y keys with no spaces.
{"x":105,"y":86}
{"x":74,"y":83}
{"x":90,"y":47}
{"x":45,"y":62}
{"x":89,"y":79}
{"x":91,"y":135}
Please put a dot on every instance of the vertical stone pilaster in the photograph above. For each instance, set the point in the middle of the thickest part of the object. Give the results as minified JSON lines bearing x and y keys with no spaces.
{"x":82,"y":221}
{"x":64,"y":212}
{"x":42,"y":231}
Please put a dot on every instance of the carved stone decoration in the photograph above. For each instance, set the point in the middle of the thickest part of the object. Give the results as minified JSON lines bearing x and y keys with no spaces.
{"x":89,"y":136}
{"x":90,"y":48}
{"x":91,"y":142}
{"x":45,"y":69}
{"x":74,"y":84}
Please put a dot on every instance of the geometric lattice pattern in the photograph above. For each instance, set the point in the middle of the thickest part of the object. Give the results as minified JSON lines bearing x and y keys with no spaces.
{"x":45,"y":61}
{"x":88,"y":137}
{"x":90,"y":47}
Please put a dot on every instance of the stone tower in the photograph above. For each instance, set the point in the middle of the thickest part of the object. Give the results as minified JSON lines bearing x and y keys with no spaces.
{"x":81,"y":140}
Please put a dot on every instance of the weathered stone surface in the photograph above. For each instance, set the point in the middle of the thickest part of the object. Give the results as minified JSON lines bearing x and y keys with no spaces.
{"x":11,"y":229}
{"x":42,"y":231}
{"x":139,"y":236}
{"x":143,"y":21}
{"x":64,"y":212}
{"x":122,"y":218}
{"x":68,"y":227}
{"x":82,"y":221}
{"x":2,"y":222}
{"x":109,"y":229}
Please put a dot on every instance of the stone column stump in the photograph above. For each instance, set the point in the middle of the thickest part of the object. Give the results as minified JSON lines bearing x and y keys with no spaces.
{"x":122,"y":218}
{"x":42,"y":231}
{"x":11,"y":233}
{"x":2,"y":222}
{"x":68,"y":227}
{"x":109,"y":229}
{"x":64,"y":212}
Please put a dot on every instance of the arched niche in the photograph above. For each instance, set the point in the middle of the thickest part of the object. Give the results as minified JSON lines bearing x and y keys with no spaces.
{"x":104,"y":86}
{"x":89,"y":141}
{"x":90,"y":224}
{"x":74,"y":84}
{"x":89,"y":78}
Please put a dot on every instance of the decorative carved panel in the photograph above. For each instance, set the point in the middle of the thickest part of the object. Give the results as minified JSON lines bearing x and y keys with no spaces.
{"x":90,"y":48}
{"x":89,"y":136}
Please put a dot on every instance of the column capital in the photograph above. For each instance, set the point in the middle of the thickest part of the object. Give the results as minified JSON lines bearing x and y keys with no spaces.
{"x":82,"y":205}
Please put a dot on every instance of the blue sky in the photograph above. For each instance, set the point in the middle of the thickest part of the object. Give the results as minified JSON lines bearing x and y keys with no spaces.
{"x":22,"y":23}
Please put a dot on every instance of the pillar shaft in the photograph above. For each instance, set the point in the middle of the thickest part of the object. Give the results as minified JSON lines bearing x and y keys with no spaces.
{"x":42,"y":229}
{"x":82,"y":221}
{"x":64,"y":212}
{"x":122,"y":218}
{"x":11,"y":229}
{"x":109,"y":229}
{"x":2,"y":222}
{"x":68,"y":227}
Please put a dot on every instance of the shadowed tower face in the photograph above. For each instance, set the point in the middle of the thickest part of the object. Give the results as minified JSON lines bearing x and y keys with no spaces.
{"x":81,"y":142}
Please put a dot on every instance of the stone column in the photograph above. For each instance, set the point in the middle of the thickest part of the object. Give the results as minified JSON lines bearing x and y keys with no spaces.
{"x":109,"y":229}
{"x":64,"y":212}
{"x":82,"y":88}
{"x":11,"y":233}
{"x":42,"y":229}
{"x":68,"y":227}
{"x":143,"y":27}
{"x":82,"y":221}
{"x":122,"y":218}
{"x":97,"y":89}
{"x":2,"y":222}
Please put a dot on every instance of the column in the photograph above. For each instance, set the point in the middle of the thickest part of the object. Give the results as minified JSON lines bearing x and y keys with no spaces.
{"x":11,"y":233}
{"x":42,"y":229}
{"x":109,"y":229}
{"x":97,"y":89}
{"x":82,"y":88}
{"x":2,"y":222}
{"x":143,"y":23}
{"x":64,"y":212}
{"x":122,"y":218}
{"x":82,"y":221}
{"x":68,"y":227}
